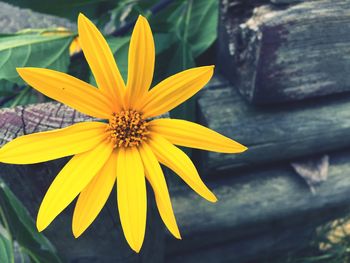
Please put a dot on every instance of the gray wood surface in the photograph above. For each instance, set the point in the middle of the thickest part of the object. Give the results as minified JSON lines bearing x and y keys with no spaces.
{"x":288,"y":52}
{"x":13,"y":19}
{"x":275,"y":133}
{"x":262,"y":213}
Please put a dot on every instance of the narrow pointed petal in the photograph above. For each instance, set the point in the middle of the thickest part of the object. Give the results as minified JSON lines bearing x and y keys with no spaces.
{"x":101,"y":61}
{"x":72,"y":179}
{"x":174,"y":90}
{"x":45,"y":146}
{"x":180,"y":163}
{"x":94,"y":196}
{"x":68,"y":90}
{"x":189,"y":134}
{"x":140,"y":62}
{"x":155,"y":176}
{"x":132,"y":197}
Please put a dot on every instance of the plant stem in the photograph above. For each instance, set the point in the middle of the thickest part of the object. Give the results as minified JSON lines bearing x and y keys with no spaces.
{"x":185,"y":36}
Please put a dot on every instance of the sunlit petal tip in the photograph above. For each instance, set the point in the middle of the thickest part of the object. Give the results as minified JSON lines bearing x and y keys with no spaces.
{"x":81,"y":16}
{"x":177,"y":234}
{"x":137,"y":248}
{"x":76,"y":231}
{"x":237,"y":148}
{"x":244,"y":148}
{"x":210,"y":67}
{"x":213,"y":199}
{"x":141,"y":18}
{"x":82,"y":19}
{"x":41,"y":225}
{"x":134,"y":245}
{"x":20,"y":69}
{"x":23,"y":70}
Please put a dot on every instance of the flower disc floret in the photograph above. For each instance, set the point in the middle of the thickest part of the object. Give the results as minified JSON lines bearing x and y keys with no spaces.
{"x":127,"y":129}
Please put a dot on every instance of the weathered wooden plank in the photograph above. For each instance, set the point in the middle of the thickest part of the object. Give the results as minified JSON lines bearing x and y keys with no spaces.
{"x":273,"y":133}
{"x":287,"y":52}
{"x":104,"y":240}
{"x":261,"y":213}
{"x":13,"y":19}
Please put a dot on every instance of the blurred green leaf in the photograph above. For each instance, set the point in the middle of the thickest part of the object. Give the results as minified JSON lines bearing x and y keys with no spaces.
{"x":203,"y":22}
{"x":23,"y":229}
{"x":6,"y":250}
{"x":66,"y":8}
{"x":25,"y":97}
{"x":120,"y":48}
{"x":34,"y":50}
{"x":118,"y":16}
{"x":192,"y":21}
{"x":6,"y":88}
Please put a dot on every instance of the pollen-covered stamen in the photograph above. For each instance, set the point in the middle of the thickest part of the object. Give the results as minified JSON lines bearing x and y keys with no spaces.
{"x":127,"y":128}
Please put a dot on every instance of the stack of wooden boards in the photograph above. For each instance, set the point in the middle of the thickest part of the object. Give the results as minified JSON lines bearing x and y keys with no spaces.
{"x":282,"y":92}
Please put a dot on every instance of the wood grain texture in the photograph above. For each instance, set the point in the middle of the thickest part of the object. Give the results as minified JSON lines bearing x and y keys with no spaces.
{"x":104,"y":240}
{"x":286,"y":52}
{"x":275,"y":133}
{"x":262,"y":213}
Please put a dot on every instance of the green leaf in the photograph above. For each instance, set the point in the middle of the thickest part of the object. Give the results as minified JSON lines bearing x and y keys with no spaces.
{"x":23,"y":229}
{"x":203,"y":25}
{"x":32,"y":50}
{"x":195,"y":22}
{"x":120,"y":49}
{"x":6,"y":250}
{"x":6,"y":88}
{"x":66,"y":8}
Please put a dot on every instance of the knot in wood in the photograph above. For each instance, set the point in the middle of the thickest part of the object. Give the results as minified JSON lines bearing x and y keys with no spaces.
{"x":127,"y":128}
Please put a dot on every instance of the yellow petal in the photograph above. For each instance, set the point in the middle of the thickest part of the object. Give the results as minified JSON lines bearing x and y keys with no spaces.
{"x":174,"y":90}
{"x":45,"y":146}
{"x":68,"y":90}
{"x":132,"y":197}
{"x":180,"y":163}
{"x":140,"y":62}
{"x":193,"y":135}
{"x":74,"y":47}
{"x":154,"y":175}
{"x":101,"y":61}
{"x":71,"y":180}
{"x":94,"y":196}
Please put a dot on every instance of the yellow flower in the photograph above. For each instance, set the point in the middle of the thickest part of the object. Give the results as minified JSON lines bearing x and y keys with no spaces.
{"x":129,"y":147}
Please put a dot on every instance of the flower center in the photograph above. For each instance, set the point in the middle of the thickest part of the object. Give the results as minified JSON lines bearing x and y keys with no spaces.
{"x":127,"y":128}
